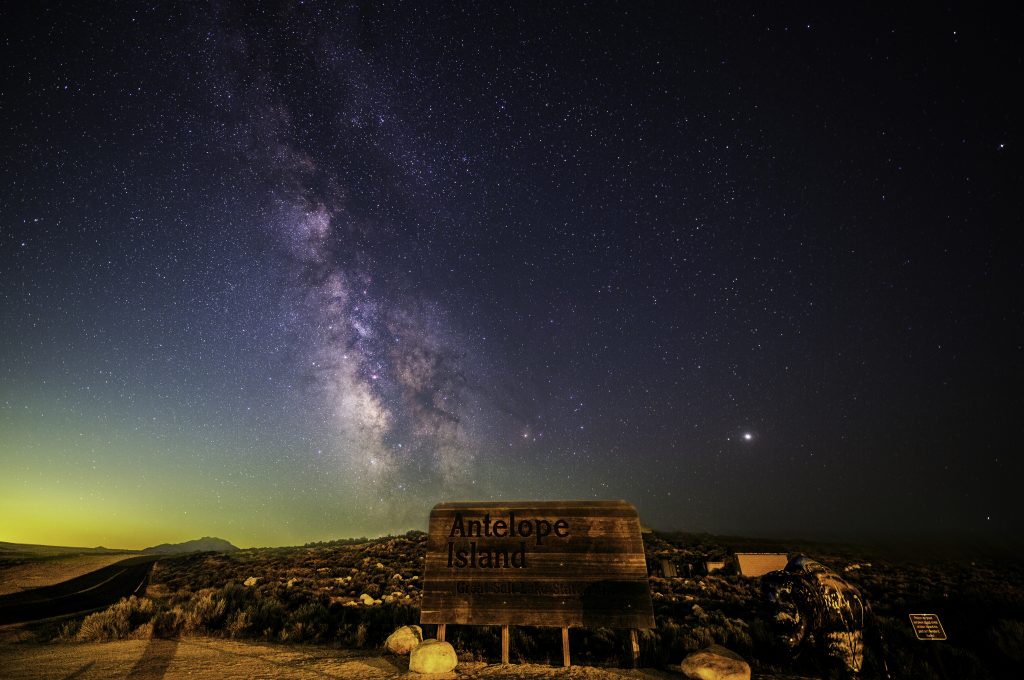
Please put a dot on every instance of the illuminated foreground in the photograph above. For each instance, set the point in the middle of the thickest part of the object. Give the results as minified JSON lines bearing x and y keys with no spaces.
{"x":229,"y":659}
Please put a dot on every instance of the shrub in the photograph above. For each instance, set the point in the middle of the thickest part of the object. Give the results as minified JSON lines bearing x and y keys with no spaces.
{"x":234,"y":596}
{"x":267,"y":616}
{"x":238,"y":624}
{"x":1008,"y":639}
{"x":68,"y":630}
{"x":205,"y":613}
{"x":168,"y":622}
{"x":309,"y":622}
{"x":118,"y":621}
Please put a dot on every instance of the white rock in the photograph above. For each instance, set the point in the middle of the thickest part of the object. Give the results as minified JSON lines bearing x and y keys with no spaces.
{"x":250,"y":582}
{"x":433,"y":656}
{"x":404,"y":639}
{"x":715,"y":663}
{"x":366,"y":599}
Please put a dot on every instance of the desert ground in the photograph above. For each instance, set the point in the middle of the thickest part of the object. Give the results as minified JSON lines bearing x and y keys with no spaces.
{"x":157,"y":659}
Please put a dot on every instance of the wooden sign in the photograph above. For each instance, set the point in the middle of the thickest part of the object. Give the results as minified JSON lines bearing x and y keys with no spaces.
{"x":927,"y":627}
{"x":549,"y":563}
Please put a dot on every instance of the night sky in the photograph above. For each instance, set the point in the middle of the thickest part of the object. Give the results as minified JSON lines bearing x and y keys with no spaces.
{"x":300,"y":273}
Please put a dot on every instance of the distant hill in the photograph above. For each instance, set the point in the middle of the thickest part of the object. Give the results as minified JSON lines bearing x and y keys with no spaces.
{"x":204,"y":544}
{"x":43,"y":551}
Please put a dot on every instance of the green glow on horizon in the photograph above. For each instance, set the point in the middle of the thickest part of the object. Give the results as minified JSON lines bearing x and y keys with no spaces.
{"x":85,"y":480}
{"x":79,"y":485}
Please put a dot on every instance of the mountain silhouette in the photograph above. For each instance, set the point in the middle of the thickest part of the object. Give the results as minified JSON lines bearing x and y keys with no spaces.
{"x":204,"y":544}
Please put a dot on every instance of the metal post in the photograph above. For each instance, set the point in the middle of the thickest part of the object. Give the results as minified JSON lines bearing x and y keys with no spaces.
{"x":635,"y":647}
{"x":565,"y":646}
{"x":504,"y":644}
{"x":440,"y":632}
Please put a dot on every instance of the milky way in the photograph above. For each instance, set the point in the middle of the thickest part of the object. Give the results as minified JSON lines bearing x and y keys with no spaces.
{"x":386,"y":375}
{"x":300,"y":271}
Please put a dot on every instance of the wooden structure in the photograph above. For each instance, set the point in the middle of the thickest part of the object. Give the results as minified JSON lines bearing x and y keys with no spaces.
{"x":759,"y":564}
{"x":549,"y":563}
{"x":667,"y":568}
{"x":714,"y":565}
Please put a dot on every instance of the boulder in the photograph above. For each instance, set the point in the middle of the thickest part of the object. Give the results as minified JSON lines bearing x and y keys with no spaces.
{"x":404,"y":639}
{"x":366,"y":599}
{"x":815,"y":608}
{"x":433,"y":656}
{"x":251,"y":581}
{"x":715,"y":663}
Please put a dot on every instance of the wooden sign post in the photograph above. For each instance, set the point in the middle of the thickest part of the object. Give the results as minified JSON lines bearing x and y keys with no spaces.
{"x":545,"y":563}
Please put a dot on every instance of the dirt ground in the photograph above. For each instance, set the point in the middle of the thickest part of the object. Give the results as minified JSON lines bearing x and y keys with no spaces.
{"x":230,"y":659}
{"x":36,"y":574}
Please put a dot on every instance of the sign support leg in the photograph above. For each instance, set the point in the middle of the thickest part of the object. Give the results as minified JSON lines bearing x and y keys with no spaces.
{"x":634,"y":646}
{"x":440,"y":632}
{"x":504,"y":644}
{"x":565,"y":646}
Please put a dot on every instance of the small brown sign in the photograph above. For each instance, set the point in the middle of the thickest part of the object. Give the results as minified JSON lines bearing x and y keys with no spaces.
{"x":927,"y":627}
{"x":548,"y":563}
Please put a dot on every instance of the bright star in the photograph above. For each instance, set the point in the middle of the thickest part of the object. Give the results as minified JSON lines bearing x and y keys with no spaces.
{"x":748,"y":436}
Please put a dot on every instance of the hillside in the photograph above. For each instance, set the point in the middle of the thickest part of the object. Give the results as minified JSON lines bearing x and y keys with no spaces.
{"x":19,"y":551}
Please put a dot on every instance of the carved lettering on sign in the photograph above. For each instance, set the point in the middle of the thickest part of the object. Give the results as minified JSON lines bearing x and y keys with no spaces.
{"x":548,"y":563}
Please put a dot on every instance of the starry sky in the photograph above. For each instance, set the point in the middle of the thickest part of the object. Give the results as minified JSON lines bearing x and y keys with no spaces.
{"x":297,"y":271}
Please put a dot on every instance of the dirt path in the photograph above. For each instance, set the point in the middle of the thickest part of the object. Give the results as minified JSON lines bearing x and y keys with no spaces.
{"x":229,"y":659}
